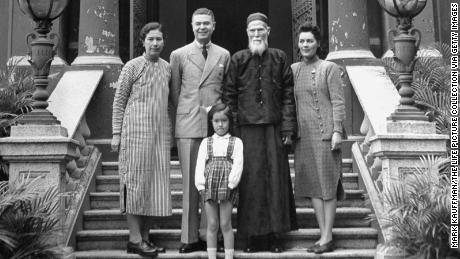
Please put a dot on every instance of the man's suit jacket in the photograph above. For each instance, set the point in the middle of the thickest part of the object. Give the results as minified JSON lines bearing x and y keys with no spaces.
{"x":196,"y":84}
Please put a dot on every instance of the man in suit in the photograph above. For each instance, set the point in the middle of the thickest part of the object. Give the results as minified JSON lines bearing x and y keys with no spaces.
{"x":198,"y":70}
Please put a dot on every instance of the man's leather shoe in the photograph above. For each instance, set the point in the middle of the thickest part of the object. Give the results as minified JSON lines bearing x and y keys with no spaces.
{"x":193,"y":247}
{"x":141,"y":248}
{"x":158,"y":248}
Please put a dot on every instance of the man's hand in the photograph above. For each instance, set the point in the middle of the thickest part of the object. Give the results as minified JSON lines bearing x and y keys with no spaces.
{"x":287,"y":140}
{"x":336,"y":141}
{"x":115,"y":142}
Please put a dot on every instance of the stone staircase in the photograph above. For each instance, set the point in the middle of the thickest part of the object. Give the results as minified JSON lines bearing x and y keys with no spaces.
{"x":105,"y":232}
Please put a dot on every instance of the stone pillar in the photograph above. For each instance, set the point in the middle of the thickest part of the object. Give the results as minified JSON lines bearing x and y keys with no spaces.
{"x":98,"y":36}
{"x":302,"y":11}
{"x":348,"y":30}
{"x":399,"y":151}
{"x":40,"y":151}
{"x":98,"y":48}
{"x":349,"y":45}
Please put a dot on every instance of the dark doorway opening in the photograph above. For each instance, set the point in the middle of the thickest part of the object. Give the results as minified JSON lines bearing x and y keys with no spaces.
{"x":230,"y":17}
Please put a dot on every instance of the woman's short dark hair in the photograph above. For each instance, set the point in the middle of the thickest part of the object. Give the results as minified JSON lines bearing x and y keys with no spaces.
{"x":151,"y":26}
{"x":218,"y":108}
{"x":309,"y":27}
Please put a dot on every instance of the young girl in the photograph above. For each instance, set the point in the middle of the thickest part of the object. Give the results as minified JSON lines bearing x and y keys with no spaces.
{"x":218,"y":171}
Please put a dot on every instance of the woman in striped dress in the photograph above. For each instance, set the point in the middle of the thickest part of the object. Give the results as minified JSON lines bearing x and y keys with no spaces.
{"x":141,"y":130}
{"x":320,"y":102}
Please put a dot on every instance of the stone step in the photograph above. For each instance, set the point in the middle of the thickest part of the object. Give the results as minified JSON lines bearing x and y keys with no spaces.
{"x":114,"y":219}
{"x":111,"y":183}
{"x":350,"y":238}
{"x":291,"y":254}
{"x":111,"y":168}
{"x":111,"y":200}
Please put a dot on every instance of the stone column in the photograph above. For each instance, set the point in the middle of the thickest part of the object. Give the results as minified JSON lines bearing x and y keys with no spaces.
{"x":399,"y":151}
{"x":98,"y":49}
{"x":348,"y":30}
{"x":98,"y":36}
{"x":349,"y":45}
{"x":302,"y":11}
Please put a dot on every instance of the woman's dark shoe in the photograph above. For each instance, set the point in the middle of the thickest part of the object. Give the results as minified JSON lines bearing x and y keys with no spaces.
{"x":200,"y":245}
{"x":328,"y":247}
{"x":158,"y":248}
{"x":141,"y":248}
{"x":311,"y":248}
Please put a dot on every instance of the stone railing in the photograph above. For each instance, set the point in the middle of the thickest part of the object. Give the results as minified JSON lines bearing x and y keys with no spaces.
{"x":391,"y":149}
{"x":68,"y":103}
{"x":378,"y":98}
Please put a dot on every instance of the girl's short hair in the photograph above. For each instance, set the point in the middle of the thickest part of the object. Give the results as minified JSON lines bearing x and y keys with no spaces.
{"x":218,"y":108}
{"x":151,"y":26}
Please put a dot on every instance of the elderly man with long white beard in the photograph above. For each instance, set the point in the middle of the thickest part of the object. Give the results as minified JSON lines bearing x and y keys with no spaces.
{"x":259,"y":91}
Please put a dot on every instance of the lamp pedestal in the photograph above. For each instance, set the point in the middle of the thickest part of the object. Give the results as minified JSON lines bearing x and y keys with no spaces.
{"x":404,"y":42}
{"x":42,"y":48}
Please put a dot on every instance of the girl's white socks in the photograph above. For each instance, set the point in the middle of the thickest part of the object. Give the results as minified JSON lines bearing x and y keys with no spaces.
{"x":212,"y":253}
{"x":229,"y":253}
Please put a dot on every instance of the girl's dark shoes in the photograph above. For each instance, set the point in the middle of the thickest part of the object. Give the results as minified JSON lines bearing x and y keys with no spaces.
{"x":158,"y":248}
{"x":141,"y":248}
{"x":328,"y":247}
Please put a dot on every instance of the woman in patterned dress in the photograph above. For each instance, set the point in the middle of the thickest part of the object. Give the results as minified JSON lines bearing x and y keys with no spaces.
{"x":141,"y":129}
{"x":320,"y":105}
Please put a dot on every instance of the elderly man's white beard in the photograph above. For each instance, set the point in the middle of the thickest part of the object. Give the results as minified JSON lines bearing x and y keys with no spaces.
{"x":258,"y":48}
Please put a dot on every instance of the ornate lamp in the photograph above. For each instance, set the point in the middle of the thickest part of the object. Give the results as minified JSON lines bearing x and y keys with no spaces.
{"x":42,"y":48}
{"x":404,"y":42}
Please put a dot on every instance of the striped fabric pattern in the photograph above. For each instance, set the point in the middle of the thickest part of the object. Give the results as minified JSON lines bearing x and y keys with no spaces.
{"x":141,"y":115}
{"x":216,"y":173}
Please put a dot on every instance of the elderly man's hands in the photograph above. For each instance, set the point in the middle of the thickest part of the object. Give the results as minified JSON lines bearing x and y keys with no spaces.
{"x":287,"y":140}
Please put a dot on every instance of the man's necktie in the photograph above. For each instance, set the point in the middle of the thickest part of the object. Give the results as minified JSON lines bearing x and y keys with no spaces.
{"x":205,"y":52}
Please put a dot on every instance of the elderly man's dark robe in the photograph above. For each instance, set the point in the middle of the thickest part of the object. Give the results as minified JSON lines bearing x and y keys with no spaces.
{"x":259,"y":91}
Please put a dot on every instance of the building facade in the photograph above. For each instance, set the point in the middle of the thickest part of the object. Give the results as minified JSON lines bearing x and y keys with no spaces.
{"x":104,"y":34}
